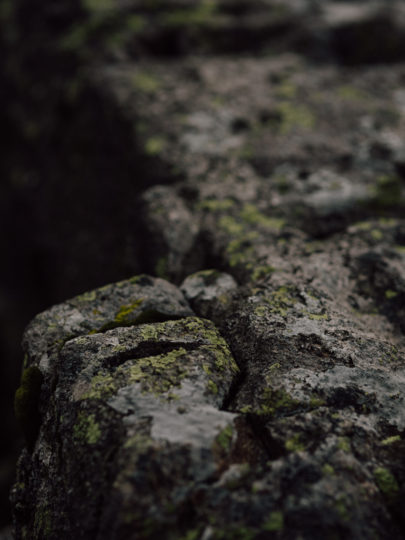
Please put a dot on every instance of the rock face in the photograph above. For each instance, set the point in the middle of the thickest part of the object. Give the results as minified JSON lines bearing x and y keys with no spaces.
{"x":255,"y":389}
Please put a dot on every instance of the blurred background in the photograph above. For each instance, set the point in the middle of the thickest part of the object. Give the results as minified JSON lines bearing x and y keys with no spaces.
{"x":71,"y":169}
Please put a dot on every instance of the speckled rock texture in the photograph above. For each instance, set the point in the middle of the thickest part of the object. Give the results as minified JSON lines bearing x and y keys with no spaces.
{"x":255,"y":389}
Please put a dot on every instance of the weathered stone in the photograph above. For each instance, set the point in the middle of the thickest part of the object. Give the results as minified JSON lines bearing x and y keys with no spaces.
{"x":265,"y":397}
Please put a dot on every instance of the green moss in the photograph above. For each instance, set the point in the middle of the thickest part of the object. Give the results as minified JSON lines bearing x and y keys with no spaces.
{"x":386,"y":482}
{"x":389,"y":294}
{"x":145,"y":82}
{"x":275,"y":522}
{"x":26,"y":404}
{"x":294,"y":444}
{"x":86,"y":429}
{"x":155,"y":145}
{"x":391,"y":440}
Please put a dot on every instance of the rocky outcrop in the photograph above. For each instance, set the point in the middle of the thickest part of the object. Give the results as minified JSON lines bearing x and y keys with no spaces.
{"x":255,"y":388}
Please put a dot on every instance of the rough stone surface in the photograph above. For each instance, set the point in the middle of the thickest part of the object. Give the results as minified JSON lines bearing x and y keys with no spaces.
{"x":257,"y":391}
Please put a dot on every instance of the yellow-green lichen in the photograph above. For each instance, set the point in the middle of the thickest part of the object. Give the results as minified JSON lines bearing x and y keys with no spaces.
{"x":102,"y":386}
{"x":86,"y":429}
{"x":275,"y":522}
{"x":351,"y":93}
{"x":212,"y":387}
{"x":224,"y":438}
{"x":216,"y":205}
{"x":272,"y":402}
{"x":294,"y":117}
{"x":316,"y":401}
{"x":363,"y":225}
{"x":376,"y":235}
{"x":286,"y":89}
{"x":389,"y":294}
{"x":155,"y":145}
{"x":157,"y":374}
{"x":230,"y":225}
{"x":328,"y":470}
{"x":344,"y":444}
{"x":294,"y":444}
{"x":240,"y":250}
{"x":87,"y":297}
{"x":386,"y":482}
{"x":261,"y":272}
{"x":252,"y":216}
{"x":199,"y":15}
{"x":123,"y":314}
{"x":391,"y":440}
{"x":281,"y":300}
{"x":145,"y":82}
{"x":317,"y":316}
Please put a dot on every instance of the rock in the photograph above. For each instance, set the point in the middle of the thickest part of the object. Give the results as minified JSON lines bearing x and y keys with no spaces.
{"x":258,"y":390}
